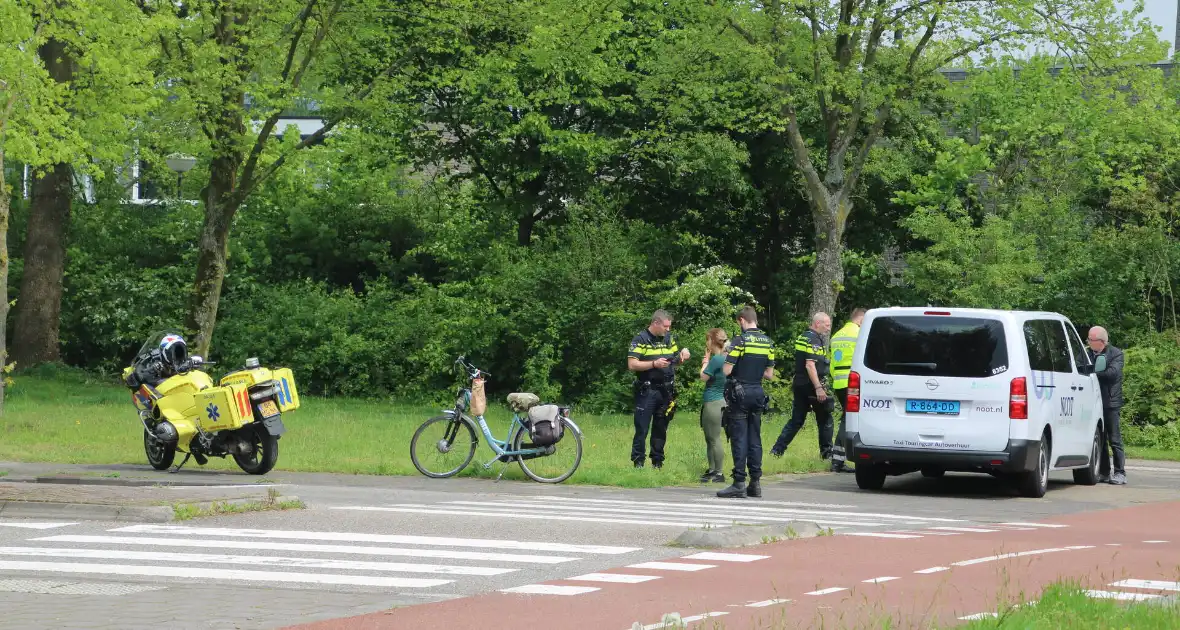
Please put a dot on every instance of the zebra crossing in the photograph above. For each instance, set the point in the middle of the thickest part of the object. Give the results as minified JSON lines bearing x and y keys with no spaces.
{"x":703,"y":512}
{"x":294,"y":557}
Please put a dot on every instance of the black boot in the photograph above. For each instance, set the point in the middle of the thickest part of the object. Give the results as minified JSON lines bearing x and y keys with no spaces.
{"x":734,"y":491}
{"x":755,"y":489}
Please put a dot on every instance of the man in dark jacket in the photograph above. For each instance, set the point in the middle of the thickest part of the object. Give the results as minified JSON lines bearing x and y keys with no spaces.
{"x":1108,"y":365}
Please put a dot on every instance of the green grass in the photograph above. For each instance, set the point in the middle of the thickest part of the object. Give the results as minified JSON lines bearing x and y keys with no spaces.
{"x":1145,"y":452}
{"x":189,"y":511}
{"x":1064,"y":605}
{"x":75,"y":419}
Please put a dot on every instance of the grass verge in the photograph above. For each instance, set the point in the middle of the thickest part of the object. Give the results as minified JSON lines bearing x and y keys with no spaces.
{"x":189,"y":511}
{"x":75,"y":419}
{"x":1144,"y":452}
{"x":1065,"y":605}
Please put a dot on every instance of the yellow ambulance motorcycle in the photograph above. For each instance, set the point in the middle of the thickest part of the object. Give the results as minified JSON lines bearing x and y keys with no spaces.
{"x":182,"y":410}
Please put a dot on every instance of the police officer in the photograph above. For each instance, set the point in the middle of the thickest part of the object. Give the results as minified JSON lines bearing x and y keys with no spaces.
{"x":654,"y":356}
{"x":843,"y":345}
{"x":808,"y":387}
{"x":750,"y":359}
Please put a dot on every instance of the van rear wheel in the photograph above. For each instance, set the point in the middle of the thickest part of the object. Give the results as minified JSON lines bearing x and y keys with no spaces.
{"x":870,"y":477}
{"x":1035,"y":482}
{"x":1088,"y":476}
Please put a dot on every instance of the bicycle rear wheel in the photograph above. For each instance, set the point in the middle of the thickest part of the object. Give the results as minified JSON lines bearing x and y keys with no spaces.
{"x":555,"y":467}
{"x":442,"y":440}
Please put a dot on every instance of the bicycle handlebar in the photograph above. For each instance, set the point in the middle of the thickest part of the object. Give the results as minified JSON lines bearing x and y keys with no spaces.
{"x":472,"y":371}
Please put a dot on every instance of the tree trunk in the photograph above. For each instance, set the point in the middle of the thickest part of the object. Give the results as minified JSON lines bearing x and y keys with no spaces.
{"x":38,"y":314}
{"x":827,"y":278}
{"x":213,"y":252}
{"x":4,"y":201}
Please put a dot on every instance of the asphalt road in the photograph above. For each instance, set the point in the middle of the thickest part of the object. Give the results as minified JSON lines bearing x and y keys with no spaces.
{"x":371,"y":543}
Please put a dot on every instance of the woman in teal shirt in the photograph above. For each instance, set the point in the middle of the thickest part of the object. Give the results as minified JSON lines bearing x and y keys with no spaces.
{"x":714,"y":403}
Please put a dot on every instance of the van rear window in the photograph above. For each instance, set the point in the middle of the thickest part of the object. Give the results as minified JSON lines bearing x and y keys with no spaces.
{"x":966,"y":347}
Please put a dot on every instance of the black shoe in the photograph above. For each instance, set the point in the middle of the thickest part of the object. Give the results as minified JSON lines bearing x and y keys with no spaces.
{"x":638,"y":464}
{"x":657,"y":465}
{"x":712,"y":476}
{"x":737,"y":490}
{"x":754,"y":489}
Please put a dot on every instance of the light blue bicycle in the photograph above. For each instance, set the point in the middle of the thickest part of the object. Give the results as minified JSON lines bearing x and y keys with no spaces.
{"x":542,"y":435}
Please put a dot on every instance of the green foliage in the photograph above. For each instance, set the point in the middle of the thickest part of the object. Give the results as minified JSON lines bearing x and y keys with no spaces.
{"x":1151,"y":381}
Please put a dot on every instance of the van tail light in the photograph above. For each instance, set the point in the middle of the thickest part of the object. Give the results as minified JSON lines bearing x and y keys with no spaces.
{"x":1018,"y":399}
{"x":853,"y":392}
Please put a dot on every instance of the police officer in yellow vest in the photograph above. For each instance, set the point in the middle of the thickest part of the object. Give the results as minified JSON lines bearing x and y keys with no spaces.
{"x":842,"y":346}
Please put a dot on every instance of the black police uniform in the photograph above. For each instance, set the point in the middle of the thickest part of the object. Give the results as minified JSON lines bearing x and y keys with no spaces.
{"x":809,"y":346}
{"x":751,"y":353}
{"x":655,"y":394}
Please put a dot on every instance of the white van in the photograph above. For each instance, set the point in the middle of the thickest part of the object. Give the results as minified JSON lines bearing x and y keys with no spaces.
{"x":1010,"y":393}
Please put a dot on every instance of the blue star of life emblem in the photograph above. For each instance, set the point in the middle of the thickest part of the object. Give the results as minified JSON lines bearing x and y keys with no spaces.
{"x":214,"y":414}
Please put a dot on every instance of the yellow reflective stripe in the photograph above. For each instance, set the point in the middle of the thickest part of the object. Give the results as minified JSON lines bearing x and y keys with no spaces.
{"x":803,"y":347}
{"x":760,"y":351}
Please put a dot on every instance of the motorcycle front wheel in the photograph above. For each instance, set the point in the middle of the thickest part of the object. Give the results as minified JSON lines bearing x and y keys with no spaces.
{"x":159,"y":454}
{"x":263,"y":458}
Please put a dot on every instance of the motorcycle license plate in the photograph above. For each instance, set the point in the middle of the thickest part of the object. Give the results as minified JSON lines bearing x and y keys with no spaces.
{"x":268,"y":408}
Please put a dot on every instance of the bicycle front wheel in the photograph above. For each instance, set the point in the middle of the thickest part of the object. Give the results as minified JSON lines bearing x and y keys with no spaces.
{"x":442,"y":446}
{"x":557,"y":466}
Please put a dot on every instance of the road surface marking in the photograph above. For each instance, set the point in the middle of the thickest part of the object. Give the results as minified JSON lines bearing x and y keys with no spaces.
{"x":1155,"y":585}
{"x":1054,"y":525}
{"x":1114,"y":544}
{"x":768,"y":602}
{"x":725,"y":557}
{"x":933,"y":570}
{"x":982,"y":615}
{"x":618,"y":578}
{"x":221,"y":574}
{"x":924,"y":532}
{"x":1135,"y":597}
{"x":550,"y":501}
{"x":549,"y":589}
{"x":834,"y":589}
{"x":412,"y":509}
{"x":543,"y":511}
{"x":1155,"y":542}
{"x":963,"y":529}
{"x":523,"y":558}
{"x":879,"y":580}
{"x":273,"y":561}
{"x":703,"y":617}
{"x":879,"y":535}
{"x":33,"y":525}
{"x":1020,"y":554}
{"x":671,"y":566}
{"x":376,"y":538}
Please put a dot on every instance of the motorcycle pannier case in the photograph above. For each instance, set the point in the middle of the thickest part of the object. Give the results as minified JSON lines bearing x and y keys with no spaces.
{"x":545,"y":426}
{"x":284,"y":378}
{"x":220,"y":408}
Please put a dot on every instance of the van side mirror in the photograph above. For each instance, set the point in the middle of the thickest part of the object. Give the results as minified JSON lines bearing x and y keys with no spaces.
{"x":1100,"y":363}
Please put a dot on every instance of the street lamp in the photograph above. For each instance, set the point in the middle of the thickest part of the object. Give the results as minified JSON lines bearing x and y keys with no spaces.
{"x":181,"y":164}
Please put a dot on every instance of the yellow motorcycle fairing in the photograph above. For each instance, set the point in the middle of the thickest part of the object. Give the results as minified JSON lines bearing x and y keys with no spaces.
{"x":190,"y":400}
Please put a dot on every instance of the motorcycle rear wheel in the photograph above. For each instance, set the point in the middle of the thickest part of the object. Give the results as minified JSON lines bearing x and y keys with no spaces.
{"x":159,"y":454}
{"x":257,"y":464}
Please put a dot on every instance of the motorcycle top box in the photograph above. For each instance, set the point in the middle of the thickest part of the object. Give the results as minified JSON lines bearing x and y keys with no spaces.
{"x":181,"y":408}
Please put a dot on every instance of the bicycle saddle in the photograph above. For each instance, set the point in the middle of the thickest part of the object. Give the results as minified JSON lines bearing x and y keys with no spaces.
{"x":522,"y":402}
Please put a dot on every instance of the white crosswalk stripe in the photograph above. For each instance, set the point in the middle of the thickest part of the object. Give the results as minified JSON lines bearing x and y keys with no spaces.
{"x":215,"y":554}
{"x":702,"y":512}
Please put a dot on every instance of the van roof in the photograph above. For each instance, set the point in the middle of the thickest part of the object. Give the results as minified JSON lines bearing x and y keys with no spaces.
{"x":954,"y":310}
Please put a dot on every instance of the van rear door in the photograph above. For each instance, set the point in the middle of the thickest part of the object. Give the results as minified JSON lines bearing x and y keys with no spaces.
{"x":935,"y":382}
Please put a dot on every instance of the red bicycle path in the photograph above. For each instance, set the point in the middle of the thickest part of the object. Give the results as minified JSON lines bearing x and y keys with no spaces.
{"x":1094,"y":548}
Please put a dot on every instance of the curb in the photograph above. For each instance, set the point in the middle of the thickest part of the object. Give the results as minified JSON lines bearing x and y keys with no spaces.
{"x":87,"y":511}
{"x":117,"y":513}
{"x":116,"y":481}
{"x":747,"y":535}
